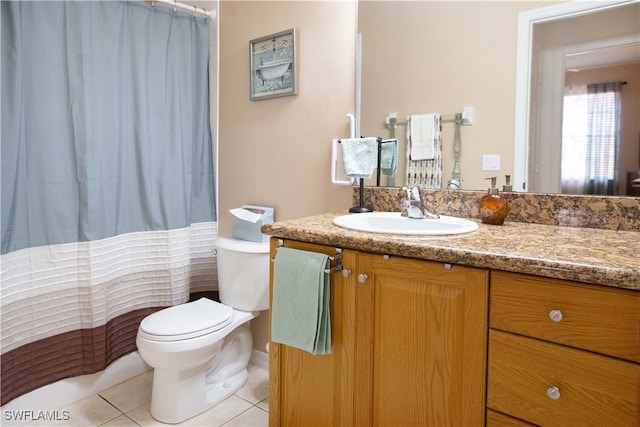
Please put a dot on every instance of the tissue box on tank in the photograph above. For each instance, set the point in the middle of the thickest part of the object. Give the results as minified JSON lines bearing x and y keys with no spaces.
{"x":244,"y":229}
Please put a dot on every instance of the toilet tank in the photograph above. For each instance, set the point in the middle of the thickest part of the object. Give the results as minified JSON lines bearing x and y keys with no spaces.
{"x":243,"y":273}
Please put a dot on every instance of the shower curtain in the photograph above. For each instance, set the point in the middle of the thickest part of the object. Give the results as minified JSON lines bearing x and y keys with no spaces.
{"x":107,"y":201}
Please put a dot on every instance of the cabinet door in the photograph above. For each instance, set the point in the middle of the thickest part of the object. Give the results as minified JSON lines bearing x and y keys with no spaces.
{"x":421,"y":342}
{"x":308,"y":390}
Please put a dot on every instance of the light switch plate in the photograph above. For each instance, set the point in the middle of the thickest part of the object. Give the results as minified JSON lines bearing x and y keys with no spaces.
{"x":491,"y":162}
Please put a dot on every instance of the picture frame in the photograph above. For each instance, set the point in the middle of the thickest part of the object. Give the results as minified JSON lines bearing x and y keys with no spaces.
{"x":273,"y":65}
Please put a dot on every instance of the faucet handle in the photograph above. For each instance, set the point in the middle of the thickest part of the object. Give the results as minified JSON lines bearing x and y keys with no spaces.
{"x":413,"y":191}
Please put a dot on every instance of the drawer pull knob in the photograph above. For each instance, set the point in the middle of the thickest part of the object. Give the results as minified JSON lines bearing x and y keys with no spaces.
{"x":346,"y":273}
{"x":555,"y":315}
{"x":553,"y":393}
{"x":362,"y":277}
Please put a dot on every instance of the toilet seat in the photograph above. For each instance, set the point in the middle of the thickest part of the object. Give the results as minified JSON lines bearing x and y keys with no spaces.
{"x":185,"y":321}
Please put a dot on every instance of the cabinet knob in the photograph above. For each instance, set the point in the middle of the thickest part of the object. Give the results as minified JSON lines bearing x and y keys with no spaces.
{"x":362,"y":277}
{"x":346,"y":273}
{"x":553,"y":393}
{"x":555,"y":315}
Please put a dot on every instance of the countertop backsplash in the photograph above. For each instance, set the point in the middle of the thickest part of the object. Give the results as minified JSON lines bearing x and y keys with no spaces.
{"x":611,"y":212}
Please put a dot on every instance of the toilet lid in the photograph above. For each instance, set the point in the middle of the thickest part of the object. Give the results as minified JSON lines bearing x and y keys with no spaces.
{"x":184,"y":321}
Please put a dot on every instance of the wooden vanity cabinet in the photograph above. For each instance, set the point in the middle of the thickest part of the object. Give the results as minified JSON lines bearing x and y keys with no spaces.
{"x":408,"y":348}
{"x":562,"y":353}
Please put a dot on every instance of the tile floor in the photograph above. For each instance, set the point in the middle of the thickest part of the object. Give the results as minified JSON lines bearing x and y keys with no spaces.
{"x":127,"y":405}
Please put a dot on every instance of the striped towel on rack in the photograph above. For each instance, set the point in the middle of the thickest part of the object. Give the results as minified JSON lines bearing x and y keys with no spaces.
{"x":426,"y":173}
{"x":424,"y":132}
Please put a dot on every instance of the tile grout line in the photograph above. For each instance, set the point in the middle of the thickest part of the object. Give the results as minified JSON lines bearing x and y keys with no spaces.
{"x":241,"y":413}
{"x":116,"y":408}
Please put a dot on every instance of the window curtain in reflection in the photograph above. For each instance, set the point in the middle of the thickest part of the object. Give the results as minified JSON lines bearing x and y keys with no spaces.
{"x":574,"y":136}
{"x":591,"y":139}
{"x":604,"y":138}
{"x":108,"y":204}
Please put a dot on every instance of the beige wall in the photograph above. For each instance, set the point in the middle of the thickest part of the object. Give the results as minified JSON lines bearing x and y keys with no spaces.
{"x":276,"y":152}
{"x":437,"y":57}
{"x":607,"y":24}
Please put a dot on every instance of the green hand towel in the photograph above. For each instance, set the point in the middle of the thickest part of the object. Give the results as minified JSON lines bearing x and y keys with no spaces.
{"x":389,"y":156}
{"x":300,"y":307}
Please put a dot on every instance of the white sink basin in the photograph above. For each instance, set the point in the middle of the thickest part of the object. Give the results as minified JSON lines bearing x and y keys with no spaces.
{"x":393,"y":223}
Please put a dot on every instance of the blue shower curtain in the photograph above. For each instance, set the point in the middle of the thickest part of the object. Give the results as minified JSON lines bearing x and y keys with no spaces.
{"x":107,"y":178}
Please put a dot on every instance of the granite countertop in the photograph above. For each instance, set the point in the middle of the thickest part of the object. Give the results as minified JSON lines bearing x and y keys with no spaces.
{"x":603,"y":257}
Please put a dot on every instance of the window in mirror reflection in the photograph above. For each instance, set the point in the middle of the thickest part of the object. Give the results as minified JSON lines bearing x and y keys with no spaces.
{"x":591,"y":138}
{"x":567,"y":50}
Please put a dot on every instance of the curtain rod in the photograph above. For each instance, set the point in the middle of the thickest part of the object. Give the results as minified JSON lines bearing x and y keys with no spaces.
{"x":178,"y":5}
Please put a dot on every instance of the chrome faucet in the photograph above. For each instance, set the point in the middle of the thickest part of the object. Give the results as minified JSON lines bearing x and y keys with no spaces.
{"x":413,"y":206}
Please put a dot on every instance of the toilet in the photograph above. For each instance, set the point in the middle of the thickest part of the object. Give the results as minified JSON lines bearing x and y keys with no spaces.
{"x":200,"y":350}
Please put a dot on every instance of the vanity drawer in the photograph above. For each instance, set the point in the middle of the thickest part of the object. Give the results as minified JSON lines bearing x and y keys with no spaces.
{"x":498,"y":419}
{"x":597,"y":318}
{"x":592,"y":390}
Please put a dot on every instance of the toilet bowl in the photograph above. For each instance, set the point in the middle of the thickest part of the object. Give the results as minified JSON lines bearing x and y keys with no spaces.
{"x":200,"y":350}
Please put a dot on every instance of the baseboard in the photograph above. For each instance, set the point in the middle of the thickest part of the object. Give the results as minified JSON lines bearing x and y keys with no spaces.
{"x":65,"y":392}
{"x":259,"y":359}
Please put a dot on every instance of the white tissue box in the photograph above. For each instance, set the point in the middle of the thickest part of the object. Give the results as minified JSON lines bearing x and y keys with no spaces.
{"x":248,"y":220}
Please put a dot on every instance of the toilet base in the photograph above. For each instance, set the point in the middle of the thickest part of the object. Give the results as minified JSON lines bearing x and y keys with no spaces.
{"x":179,"y":395}
{"x":216,"y":393}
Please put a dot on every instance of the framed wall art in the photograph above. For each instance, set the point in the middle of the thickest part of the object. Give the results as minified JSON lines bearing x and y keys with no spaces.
{"x":273,"y":66}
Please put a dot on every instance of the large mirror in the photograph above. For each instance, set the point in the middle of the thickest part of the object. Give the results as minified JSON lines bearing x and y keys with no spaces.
{"x":438,"y":57}
{"x":579,"y":130}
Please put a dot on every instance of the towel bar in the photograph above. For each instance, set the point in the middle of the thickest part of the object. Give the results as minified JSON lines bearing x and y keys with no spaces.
{"x":337,"y":258}
{"x":467,"y":118}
